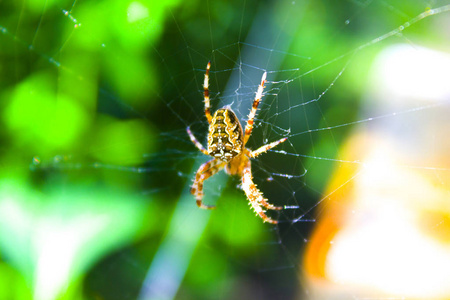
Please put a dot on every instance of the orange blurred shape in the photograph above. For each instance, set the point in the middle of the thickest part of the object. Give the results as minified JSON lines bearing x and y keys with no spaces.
{"x":385,"y":227}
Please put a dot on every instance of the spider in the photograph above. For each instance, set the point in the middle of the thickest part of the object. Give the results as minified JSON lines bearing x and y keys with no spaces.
{"x":226,"y":143}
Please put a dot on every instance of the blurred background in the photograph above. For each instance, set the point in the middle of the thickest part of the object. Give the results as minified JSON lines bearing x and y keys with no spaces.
{"x":96,"y":164}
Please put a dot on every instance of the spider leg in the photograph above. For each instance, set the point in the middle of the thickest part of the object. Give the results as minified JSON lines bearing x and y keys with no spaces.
{"x":205,"y":171}
{"x":206,"y":94}
{"x":256,"y":197}
{"x":265,"y":148}
{"x":251,"y":115}
{"x":196,"y":142}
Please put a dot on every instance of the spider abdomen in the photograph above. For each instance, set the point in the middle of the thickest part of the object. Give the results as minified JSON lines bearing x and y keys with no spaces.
{"x":225,"y":138}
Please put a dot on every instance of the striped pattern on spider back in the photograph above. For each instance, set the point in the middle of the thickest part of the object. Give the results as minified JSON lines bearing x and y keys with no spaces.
{"x":225,"y":138}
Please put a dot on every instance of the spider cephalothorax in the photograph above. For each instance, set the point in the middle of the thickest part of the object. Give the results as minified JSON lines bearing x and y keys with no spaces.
{"x":226,"y":143}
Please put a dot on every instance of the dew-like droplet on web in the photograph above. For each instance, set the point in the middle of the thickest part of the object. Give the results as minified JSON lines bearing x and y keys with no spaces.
{"x":36,"y":160}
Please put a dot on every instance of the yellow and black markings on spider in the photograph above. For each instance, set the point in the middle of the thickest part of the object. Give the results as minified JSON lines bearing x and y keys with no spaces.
{"x":226,"y":143}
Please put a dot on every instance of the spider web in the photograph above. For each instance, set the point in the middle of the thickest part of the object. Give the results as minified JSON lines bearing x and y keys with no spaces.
{"x":318,"y":94}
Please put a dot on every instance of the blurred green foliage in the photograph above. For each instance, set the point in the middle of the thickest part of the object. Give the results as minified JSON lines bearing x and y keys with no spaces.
{"x":52,"y":238}
{"x":57,"y":224}
{"x":39,"y":122}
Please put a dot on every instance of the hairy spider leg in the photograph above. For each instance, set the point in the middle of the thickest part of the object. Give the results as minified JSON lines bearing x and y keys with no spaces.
{"x":251,"y":115}
{"x":206,"y":94}
{"x":266,"y":148}
{"x":262,"y":200}
{"x":255,"y":196}
{"x":196,"y":142}
{"x":205,"y":171}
